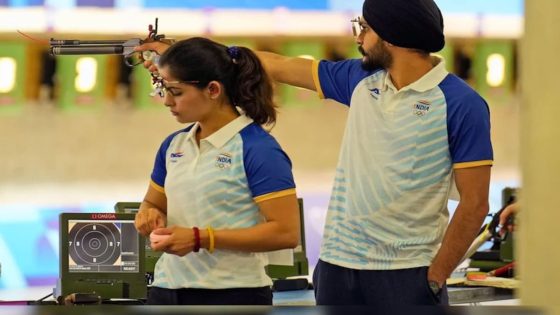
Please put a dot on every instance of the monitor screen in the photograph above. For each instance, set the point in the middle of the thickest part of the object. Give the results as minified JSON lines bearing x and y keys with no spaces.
{"x":102,"y":246}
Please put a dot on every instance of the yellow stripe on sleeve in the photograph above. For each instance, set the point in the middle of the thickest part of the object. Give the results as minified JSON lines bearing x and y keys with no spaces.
{"x":472,"y":164}
{"x":276,"y":194}
{"x":157,"y":187}
{"x":315,"y":73}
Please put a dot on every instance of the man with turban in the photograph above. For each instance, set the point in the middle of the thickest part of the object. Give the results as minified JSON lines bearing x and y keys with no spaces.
{"x":413,"y":132}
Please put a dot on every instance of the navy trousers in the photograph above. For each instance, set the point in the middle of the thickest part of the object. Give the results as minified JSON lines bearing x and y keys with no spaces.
{"x":335,"y":285}
{"x":238,"y":296}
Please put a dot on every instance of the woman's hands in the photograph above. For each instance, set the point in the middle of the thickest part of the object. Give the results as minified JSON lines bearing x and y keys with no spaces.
{"x":179,"y":241}
{"x":149,"y":219}
{"x":176,"y":240}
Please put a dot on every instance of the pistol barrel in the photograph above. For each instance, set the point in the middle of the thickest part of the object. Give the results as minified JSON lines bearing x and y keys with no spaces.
{"x":86,"y":50}
{"x":77,"y":42}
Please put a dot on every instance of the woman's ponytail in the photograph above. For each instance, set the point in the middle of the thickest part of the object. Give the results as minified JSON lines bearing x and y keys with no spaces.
{"x":252,"y":90}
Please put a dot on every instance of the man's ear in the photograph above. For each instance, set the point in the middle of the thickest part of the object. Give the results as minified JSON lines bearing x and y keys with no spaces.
{"x":214,"y":89}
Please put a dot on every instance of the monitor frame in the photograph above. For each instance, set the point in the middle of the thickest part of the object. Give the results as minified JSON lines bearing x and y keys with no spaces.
{"x":105,"y":284}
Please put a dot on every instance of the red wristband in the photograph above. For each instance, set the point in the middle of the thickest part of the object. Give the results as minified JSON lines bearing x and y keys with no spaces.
{"x":196,"y":239}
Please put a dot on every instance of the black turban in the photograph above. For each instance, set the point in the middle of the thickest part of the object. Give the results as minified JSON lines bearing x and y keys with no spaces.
{"x":406,"y":23}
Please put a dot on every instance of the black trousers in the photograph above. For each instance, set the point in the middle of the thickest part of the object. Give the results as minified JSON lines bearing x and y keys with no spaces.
{"x":237,"y":296}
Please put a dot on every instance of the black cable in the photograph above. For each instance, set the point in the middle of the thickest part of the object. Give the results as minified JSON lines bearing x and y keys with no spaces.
{"x":44,"y":297}
{"x":42,"y":301}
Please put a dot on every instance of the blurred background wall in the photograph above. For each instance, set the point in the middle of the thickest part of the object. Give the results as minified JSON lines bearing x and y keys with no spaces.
{"x":80,"y":133}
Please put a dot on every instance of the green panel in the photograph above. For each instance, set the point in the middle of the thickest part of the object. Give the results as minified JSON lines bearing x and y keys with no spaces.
{"x":484,"y":50}
{"x":300,"y":268}
{"x":447,"y":54}
{"x":67,"y":77}
{"x":293,"y":96}
{"x":301,"y":264}
{"x":15,"y":97}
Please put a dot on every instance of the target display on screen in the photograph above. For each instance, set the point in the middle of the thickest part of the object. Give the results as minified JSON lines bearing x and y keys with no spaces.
{"x":102,"y":246}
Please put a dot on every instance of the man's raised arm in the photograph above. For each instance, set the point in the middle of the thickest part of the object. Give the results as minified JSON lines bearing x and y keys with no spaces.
{"x":289,"y":70}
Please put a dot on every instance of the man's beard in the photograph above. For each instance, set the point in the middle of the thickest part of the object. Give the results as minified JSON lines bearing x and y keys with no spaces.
{"x":376,"y":58}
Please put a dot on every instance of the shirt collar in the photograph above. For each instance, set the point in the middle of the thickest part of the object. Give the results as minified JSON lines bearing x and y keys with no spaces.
{"x":427,"y":82}
{"x":219,"y":138}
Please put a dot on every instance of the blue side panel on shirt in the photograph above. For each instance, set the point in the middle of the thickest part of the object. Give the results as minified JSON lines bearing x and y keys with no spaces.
{"x":468,"y":122}
{"x":339,"y":79}
{"x":267,"y":167}
{"x":160,"y":170}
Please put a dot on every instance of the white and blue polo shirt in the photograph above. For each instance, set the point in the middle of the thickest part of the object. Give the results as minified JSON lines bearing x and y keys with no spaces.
{"x":388,"y":207}
{"x":219,"y":184}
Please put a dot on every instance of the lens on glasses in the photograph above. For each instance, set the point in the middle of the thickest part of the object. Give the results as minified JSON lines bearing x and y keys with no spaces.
{"x":356,"y":28}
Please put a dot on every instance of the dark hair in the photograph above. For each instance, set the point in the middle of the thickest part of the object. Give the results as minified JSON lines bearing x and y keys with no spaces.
{"x":245,"y":81}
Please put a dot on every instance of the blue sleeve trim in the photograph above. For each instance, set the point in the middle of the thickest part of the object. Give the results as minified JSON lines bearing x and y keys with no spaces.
{"x":160,"y":169}
{"x":267,"y":167}
{"x":468,"y":122}
{"x":339,"y":79}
